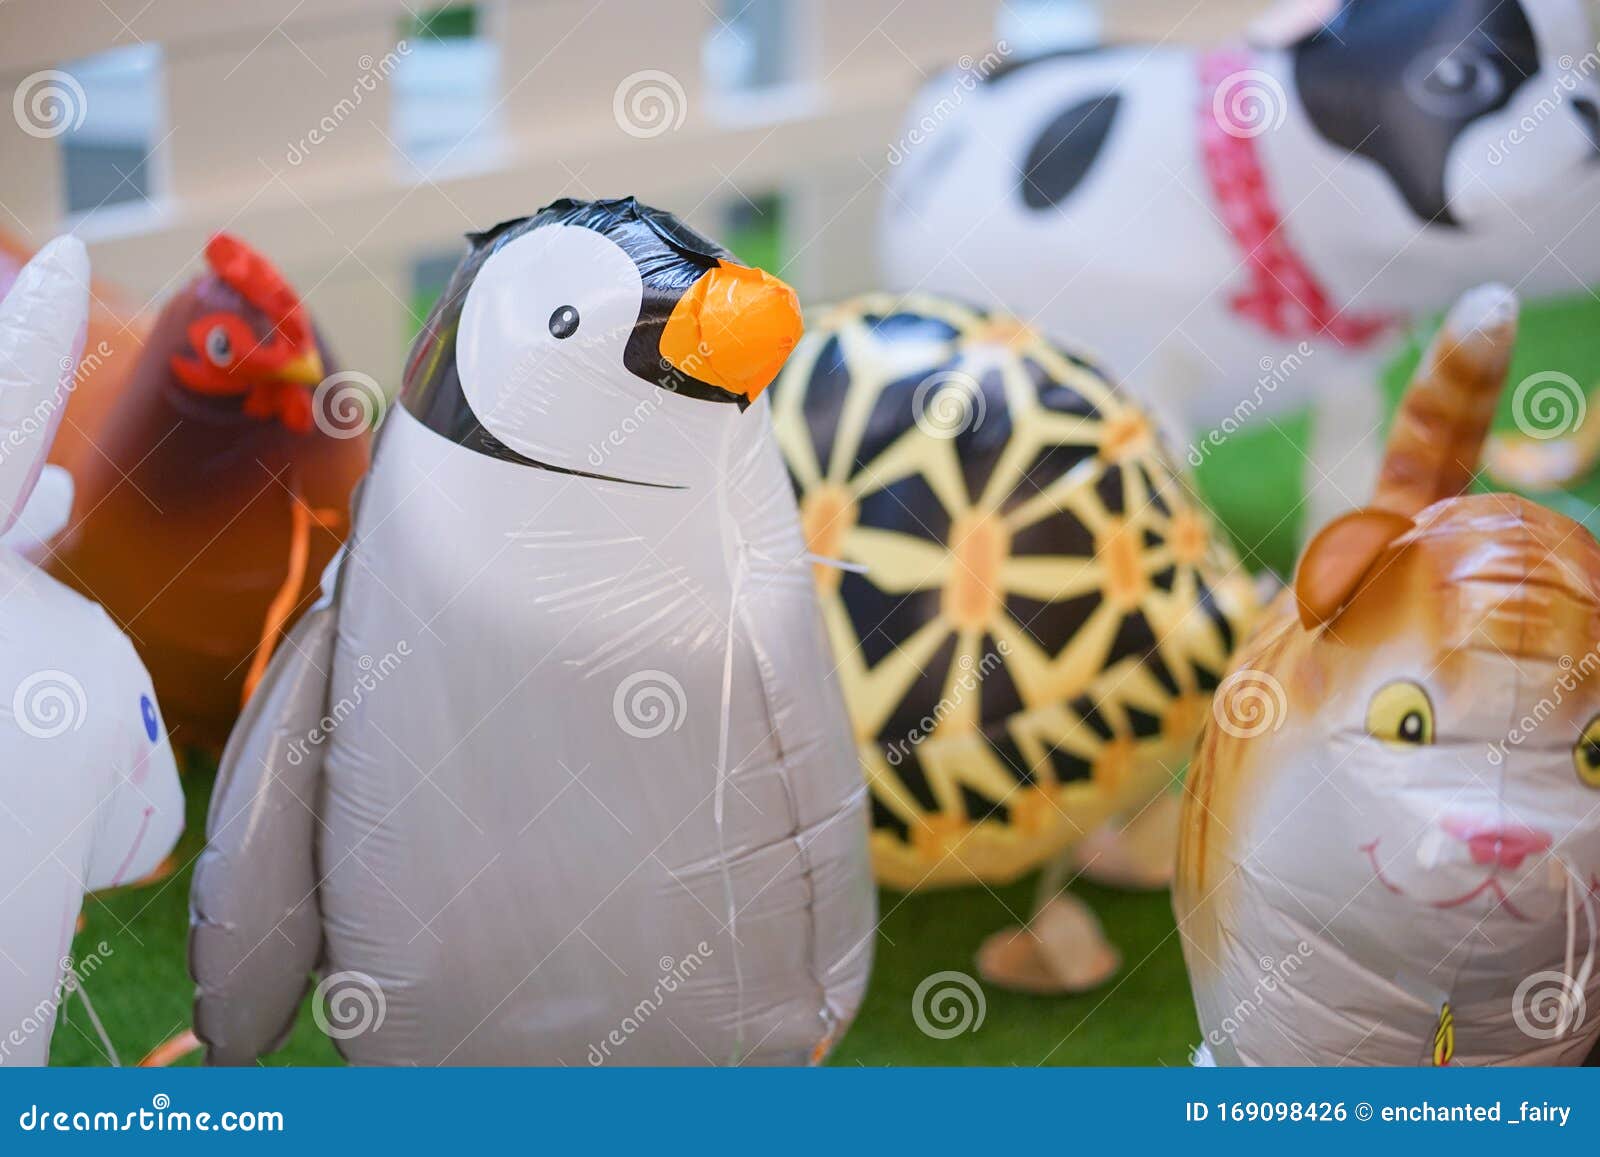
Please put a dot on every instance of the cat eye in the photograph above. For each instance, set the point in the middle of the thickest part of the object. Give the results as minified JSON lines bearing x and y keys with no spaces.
{"x":1401,"y":714}
{"x":1586,"y":754}
{"x":1455,"y":74}
{"x":1461,"y":82}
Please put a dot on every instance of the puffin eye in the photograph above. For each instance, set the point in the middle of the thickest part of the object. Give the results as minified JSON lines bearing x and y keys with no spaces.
{"x":219,"y":349}
{"x":1401,"y":714}
{"x":1586,"y":754}
{"x":564,"y":322}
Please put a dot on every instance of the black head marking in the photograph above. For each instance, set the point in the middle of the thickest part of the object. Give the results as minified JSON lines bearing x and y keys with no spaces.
{"x":1399,"y":82}
{"x":1589,"y":113}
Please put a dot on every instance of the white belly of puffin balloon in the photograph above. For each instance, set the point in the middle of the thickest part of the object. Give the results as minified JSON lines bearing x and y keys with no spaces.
{"x":611,"y":630}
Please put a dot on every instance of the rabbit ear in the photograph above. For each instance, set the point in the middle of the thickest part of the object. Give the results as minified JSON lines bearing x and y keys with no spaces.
{"x":43,"y":321}
{"x":1338,"y":558}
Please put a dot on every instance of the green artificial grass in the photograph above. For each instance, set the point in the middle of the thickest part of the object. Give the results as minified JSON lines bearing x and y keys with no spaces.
{"x":1143,"y":1017}
{"x":140,"y":987}
{"x":143,"y":996}
{"x":142,"y":993}
{"x":1247,"y":479}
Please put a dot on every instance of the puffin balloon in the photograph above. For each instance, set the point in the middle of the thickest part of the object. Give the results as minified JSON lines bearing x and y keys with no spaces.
{"x":89,"y":782}
{"x":584,"y":786}
{"x":1391,"y":836}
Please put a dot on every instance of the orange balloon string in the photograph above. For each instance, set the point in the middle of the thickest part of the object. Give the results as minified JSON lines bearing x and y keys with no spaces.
{"x":288,"y":597}
{"x":174,"y":1049}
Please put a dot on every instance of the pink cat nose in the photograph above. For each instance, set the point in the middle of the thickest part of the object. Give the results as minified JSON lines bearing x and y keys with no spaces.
{"x":1506,"y":845}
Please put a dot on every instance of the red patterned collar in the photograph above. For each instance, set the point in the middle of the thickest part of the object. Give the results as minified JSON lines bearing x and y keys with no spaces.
{"x":1284,"y":296}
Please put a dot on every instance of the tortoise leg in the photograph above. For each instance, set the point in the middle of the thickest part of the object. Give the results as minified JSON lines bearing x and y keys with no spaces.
{"x":1548,"y":463}
{"x":1137,"y":854}
{"x":1062,"y":950}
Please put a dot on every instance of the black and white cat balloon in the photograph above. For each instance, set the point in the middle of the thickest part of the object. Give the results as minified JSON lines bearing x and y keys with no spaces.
{"x":599,"y":763}
{"x":1241,"y":230}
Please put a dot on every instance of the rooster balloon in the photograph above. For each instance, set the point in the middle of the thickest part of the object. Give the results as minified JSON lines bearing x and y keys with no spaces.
{"x":220,"y":487}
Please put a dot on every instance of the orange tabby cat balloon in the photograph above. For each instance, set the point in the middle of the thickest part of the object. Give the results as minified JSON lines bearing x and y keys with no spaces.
{"x":1391,"y":831}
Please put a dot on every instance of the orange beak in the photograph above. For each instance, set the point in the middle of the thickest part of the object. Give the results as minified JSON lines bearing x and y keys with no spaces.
{"x":734,"y":329}
{"x":305,"y":370}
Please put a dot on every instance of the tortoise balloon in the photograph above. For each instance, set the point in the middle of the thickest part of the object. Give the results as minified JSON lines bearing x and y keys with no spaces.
{"x":1029,"y":611}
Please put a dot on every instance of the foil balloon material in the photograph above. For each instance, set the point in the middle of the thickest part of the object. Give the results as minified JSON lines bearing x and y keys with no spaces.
{"x":1252,"y":228}
{"x":48,"y":512}
{"x":1028,"y":611}
{"x":90,"y":786}
{"x":112,"y":344}
{"x":581,"y":783}
{"x":219,"y":486}
{"x":1391,"y":840}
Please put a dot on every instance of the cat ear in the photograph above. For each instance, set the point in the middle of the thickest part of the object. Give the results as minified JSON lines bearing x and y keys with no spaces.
{"x":1339,"y":558}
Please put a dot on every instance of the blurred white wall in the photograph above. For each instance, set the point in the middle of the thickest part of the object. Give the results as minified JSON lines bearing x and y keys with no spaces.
{"x":355,"y":143}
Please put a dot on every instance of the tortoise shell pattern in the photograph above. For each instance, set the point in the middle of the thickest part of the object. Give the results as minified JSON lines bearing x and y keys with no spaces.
{"x":1032,"y":610}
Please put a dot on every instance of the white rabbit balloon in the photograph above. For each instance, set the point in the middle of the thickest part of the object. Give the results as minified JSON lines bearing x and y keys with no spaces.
{"x":86,"y":772}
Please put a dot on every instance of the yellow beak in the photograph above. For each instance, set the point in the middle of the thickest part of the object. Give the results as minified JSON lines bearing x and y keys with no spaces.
{"x":734,"y":329}
{"x":305,"y":370}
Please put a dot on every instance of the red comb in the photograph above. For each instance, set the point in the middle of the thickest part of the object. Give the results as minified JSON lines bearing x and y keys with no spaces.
{"x":258,"y":281}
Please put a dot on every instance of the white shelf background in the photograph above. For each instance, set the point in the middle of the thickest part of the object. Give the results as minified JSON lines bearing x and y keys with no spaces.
{"x":220,"y":93}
